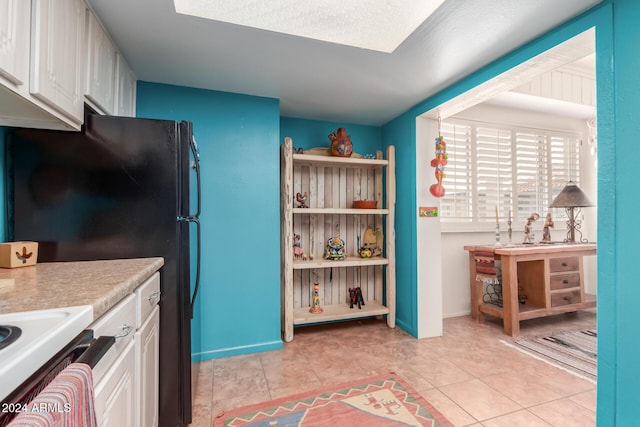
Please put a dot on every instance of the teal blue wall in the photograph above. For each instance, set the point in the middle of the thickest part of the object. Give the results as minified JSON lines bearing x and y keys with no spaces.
{"x":401,"y":133}
{"x":239,"y":138}
{"x":314,"y":133}
{"x":618,"y":231}
{"x":618,"y":93}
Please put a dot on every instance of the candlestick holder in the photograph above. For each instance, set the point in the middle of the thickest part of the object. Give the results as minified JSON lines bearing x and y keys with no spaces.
{"x":498,"y":235}
{"x":509,"y":232}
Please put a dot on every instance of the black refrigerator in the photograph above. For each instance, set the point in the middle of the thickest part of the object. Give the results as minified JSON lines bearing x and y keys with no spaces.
{"x":120,"y":188}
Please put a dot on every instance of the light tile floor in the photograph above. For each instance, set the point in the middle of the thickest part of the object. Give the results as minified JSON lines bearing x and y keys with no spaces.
{"x":467,"y":374}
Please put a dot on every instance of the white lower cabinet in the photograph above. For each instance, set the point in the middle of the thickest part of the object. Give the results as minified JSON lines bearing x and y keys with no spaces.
{"x":147,"y":340}
{"x":127,"y":377}
{"x":115,"y":393}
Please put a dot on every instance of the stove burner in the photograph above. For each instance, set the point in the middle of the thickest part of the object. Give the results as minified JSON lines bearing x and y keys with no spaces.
{"x":8,"y":334}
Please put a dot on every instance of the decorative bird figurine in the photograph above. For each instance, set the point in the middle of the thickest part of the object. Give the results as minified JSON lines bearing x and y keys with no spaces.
{"x":302,"y":200}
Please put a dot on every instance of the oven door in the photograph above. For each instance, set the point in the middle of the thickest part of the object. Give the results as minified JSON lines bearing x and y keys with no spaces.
{"x":83,"y":349}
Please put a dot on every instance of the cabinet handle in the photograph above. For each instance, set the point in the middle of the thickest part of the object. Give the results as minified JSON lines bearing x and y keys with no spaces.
{"x":126,"y":330}
{"x":564,"y":264}
{"x":154,"y":295}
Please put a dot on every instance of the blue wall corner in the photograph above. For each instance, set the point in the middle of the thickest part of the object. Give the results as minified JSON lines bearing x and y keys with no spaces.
{"x":315,"y":133}
{"x":401,"y":134}
{"x":238,"y":137}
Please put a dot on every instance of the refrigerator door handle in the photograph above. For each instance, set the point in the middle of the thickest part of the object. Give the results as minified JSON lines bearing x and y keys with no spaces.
{"x":196,"y":221}
{"x":196,"y":165}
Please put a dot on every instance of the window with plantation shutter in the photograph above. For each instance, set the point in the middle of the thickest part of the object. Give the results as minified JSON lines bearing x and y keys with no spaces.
{"x":494,"y":169}
{"x":506,"y":167}
{"x":457,"y":203}
{"x":532,"y":185}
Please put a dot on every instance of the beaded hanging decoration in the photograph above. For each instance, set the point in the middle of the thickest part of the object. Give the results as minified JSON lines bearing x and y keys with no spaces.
{"x":439,"y":162}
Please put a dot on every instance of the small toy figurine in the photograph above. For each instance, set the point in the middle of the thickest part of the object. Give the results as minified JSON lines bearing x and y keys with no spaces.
{"x":439,"y":162}
{"x":548,"y":223}
{"x":315,"y":306}
{"x":302,"y":200}
{"x":297,"y":248}
{"x":355,"y":297}
{"x":341,"y":145}
{"x":528,"y":237}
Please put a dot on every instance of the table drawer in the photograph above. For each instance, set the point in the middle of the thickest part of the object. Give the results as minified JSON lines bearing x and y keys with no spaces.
{"x":557,"y":265}
{"x":565,"y":298}
{"x":564,"y":281}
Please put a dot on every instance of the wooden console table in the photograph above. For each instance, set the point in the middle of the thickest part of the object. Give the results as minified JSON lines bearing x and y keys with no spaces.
{"x":550,"y":279}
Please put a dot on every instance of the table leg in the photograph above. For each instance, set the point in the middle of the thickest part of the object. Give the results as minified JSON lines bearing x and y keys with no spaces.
{"x":510,"y":309}
{"x":475,"y":289}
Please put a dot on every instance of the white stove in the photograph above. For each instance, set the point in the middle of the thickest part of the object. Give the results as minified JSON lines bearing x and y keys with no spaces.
{"x":42,"y":334}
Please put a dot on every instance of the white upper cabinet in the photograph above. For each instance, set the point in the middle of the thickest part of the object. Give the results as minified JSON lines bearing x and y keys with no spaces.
{"x":15,"y":16}
{"x":57,"y":56}
{"x":101,"y":67}
{"x":126,"y":89}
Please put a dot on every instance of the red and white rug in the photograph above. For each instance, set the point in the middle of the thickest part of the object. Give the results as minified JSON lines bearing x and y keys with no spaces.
{"x":382,"y":401}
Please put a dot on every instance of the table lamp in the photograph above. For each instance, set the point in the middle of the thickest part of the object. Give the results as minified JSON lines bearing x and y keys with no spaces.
{"x":572,"y":198}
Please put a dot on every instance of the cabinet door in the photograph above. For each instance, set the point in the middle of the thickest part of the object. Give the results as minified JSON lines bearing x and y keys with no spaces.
{"x":114,"y":394}
{"x":14,"y":46}
{"x":126,"y":105}
{"x":101,"y":67}
{"x":147,"y":370}
{"x":57,"y":56}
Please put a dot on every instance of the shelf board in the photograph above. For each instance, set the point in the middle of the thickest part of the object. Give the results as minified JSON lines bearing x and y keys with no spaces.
{"x":350,"y":261}
{"x":528,"y":311}
{"x":301,"y":316}
{"x":338,"y":211}
{"x":341,"y":162}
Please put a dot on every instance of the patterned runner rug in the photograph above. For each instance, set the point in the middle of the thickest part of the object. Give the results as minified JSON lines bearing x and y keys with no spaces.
{"x":575,"y":351}
{"x":383,"y":401}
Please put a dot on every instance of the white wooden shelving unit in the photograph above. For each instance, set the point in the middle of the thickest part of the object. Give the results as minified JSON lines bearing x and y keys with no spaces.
{"x":332,"y":184}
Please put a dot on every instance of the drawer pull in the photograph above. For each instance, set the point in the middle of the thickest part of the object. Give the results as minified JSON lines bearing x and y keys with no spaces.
{"x":565,"y":281}
{"x":564,"y":264}
{"x":567,"y":298}
{"x":126,"y":330}
{"x":154,"y":295}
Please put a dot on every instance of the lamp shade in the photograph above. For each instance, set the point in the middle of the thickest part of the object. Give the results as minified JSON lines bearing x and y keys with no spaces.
{"x":571,"y":196}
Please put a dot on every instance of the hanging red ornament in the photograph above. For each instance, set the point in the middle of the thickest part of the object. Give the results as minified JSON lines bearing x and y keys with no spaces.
{"x":439,"y":162}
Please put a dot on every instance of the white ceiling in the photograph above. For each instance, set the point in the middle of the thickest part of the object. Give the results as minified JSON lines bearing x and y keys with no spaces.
{"x":321,"y":80}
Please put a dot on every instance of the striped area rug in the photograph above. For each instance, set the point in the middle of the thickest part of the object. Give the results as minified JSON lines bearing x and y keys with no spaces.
{"x":574,"y":351}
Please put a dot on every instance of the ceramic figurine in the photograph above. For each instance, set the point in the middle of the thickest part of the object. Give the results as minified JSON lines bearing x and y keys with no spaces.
{"x":373,"y":239}
{"x":365,"y":252}
{"x":528,"y":236}
{"x":548,"y":223}
{"x":341,"y":145}
{"x":297,"y":248}
{"x":335,"y":249}
{"x":355,"y":297}
{"x":302,"y":200}
{"x":315,"y":306}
